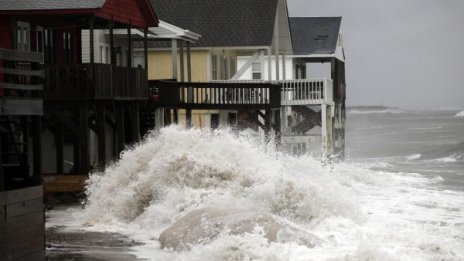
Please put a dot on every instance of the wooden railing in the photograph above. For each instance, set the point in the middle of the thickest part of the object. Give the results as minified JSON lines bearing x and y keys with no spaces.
{"x":306,"y":92}
{"x":97,"y":81}
{"x":201,"y":95}
{"x":299,"y":92}
{"x":20,"y":83}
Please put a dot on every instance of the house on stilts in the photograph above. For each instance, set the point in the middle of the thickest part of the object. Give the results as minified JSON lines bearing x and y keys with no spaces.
{"x":54,"y":105}
{"x":248,"y":44}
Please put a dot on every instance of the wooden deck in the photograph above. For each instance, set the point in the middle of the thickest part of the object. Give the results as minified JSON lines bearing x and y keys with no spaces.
{"x":226,"y":96}
{"x":94,"y":82}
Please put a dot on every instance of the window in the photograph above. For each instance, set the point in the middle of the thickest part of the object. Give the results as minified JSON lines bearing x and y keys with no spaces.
{"x":256,"y":71}
{"x":22,"y":36}
{"x":214,"y":73}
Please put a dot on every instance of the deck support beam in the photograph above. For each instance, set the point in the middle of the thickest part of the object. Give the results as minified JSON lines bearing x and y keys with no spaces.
{"x":269,"y":64}
{"x":101,"y":133}
{"x":83,"y":141}
{"x":120,"y":127}
{"x":36,"y":149}
{"x":189,"y":63}
{"x":174,"y":58}
{"x":276,"y":46}
{"x":267,"y":124}
{"x":2,"y":176}
{"x":181,"y":60}
{"x":129,"y":45}
{"x":91,"y":39}
{"x":135,"y":129}
{"x":59,"y":148}
{"x":112,"y":53}
{"x":188,"y":118}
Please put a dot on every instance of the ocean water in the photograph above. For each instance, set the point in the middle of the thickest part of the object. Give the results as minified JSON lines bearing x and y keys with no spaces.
{"x":398,"y":196}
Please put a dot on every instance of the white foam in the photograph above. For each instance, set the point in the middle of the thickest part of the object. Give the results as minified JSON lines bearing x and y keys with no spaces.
{"x":413,"y":157}
{"x":360,"y":214}
{"x":376,"y":111}
{"x":446,"y":159}
{"x":459,"y":114}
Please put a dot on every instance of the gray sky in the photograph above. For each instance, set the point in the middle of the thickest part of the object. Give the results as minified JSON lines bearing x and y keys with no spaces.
{"x":405,"y":53}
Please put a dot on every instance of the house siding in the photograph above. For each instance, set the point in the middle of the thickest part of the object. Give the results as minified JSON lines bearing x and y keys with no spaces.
{"x":160,"y":65}
{"x":5,"y":36}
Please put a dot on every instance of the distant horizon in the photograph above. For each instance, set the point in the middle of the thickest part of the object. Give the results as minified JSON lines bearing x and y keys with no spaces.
{"x":372,"y":106}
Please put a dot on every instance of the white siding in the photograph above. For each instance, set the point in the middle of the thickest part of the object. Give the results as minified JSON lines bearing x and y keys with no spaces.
{"x":247,"y":75}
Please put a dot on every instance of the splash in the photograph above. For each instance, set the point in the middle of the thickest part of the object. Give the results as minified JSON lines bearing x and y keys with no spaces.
{"x":459,"y":114}
{"x":358,"y":214}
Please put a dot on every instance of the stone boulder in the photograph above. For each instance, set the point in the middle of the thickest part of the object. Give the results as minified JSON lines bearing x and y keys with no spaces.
{"x":204,"y":225}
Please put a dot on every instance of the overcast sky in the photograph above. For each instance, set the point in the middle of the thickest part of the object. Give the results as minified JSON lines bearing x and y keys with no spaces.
{"x":405,"y":53}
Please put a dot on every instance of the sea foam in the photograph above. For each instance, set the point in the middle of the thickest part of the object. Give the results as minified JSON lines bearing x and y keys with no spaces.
{"x":358,"y":213}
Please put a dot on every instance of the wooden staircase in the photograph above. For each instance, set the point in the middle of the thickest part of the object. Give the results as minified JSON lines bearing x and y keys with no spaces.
{"x":14,"y":152}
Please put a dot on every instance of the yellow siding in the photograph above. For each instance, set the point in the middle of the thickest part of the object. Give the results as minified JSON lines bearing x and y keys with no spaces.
{"x":160,"y":65}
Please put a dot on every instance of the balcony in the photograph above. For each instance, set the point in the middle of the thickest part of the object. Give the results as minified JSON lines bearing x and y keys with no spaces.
{"x":94,"y":82}
{"x":20,"y":83}
{"x":231,"y":96}
{"x":298,"y":92}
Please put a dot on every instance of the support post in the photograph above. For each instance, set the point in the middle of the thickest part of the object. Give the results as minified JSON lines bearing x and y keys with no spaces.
{"x":36,"y":150}
{"x":2,"y":176}
{"x":269,"y":64}
{"x":174,"y":58}
{"x":189,"y":63}
{"x":188,"y":118}
{"x":101,"y":132}
{"x":181,"y":59}
{"x":276,"y":44}
{"x":135,"y":111}
{"x":327,"y":130}
{"x":59,"y":148}
{"x":129,"y":45}
{"x":84,"y":131}
{"x":267,"y":125}
{"x":120,"y":126}
{"x":145,"y":48}
{"x":91,"y":36}
{"x":278,"y":125}
{"x":112,"y":53}
{"x":284,"y":69}
{"x":159,"y":118}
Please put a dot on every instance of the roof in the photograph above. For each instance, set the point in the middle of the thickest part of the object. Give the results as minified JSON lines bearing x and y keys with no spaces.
{"x":50,"y":4}
{"x":314,"y":35}
{"x":138,"y":13}
{"x":222,"y":23}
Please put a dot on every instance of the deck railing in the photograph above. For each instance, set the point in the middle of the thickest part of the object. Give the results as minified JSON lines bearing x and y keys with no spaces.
{"x":20,"y":83}
{"x":94,"y":81}
{"x":299,"y":92}
{"x":200,"y":95}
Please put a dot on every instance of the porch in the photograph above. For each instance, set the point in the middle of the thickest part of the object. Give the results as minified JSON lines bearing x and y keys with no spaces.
{"x":297,"y":92}
{"x":94,"y":82}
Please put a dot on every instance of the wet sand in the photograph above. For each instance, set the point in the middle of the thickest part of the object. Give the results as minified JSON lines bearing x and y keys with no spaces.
{"x":65,"y":244}
{"x":88,"y":246}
